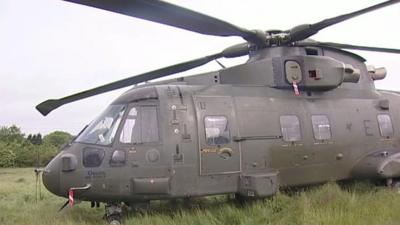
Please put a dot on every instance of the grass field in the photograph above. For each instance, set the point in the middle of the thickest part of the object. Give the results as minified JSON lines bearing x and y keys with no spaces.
{"x":358,"y":203}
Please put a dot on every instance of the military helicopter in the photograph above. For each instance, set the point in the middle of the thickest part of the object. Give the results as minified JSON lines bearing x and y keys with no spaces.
{"x":298,"y":112}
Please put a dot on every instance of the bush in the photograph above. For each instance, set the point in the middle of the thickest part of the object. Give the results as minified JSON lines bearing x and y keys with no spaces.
{"x":29,"y":155}
{"x":46,"y":153}
{"x":7,"y":156}
{"x":25,"y":152}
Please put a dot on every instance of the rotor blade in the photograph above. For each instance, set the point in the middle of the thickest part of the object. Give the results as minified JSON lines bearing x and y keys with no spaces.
{"x":47,"y":106}
{"x":348,"y":46}
{"x":176,"y":16}
{"x":234,"y":51}
{"x":304,"y":31}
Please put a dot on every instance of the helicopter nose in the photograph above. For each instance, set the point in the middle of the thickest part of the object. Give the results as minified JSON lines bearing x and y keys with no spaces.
{"x":51,"y":176}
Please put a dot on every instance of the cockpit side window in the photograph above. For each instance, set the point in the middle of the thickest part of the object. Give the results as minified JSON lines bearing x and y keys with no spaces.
{"x":103,"y":129}
{"x":141,"y":126}
{"x":217,"y":130}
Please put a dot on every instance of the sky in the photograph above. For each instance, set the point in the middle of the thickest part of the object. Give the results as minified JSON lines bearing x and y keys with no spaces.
{"x":50,"y":49}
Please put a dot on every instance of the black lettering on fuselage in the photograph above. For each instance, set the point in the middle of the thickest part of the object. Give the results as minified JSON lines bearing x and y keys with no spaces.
{"x":95,"y":174}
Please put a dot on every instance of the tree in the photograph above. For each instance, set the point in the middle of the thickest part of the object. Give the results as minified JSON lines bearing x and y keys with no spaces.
{"x":57,"y":138}
{"x":17,"y":151}
{"x":11,"y":134}
{"x":35,"y":139}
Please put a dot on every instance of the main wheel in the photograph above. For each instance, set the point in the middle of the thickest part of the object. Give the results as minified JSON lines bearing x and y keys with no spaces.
{"x":396,"y":186}
{"x":113,"y":213}
{"x":393,"y":184}
{"x":114,"y":220}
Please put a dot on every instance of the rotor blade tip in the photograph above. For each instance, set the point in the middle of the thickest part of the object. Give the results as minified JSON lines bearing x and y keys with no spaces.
{"x":47,"y":106}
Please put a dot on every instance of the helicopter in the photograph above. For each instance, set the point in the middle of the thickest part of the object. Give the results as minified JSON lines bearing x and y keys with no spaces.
{"x":298,"y":112}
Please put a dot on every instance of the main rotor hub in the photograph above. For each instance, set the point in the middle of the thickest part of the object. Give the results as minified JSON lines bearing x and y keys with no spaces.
{"x":277,"y":37}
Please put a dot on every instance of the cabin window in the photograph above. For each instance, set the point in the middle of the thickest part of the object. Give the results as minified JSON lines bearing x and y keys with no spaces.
{"x":290,"y":127}
{"x":141,"y":125}
{"x":321,"y":127}
{"x":385,"y":125}
{"x":217,"y":130}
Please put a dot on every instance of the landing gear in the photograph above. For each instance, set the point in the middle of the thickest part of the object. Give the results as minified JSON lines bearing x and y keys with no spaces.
{"x":113,"y":213}
{"x":243,"y":200}
{"x":139,"y":207}
{"x":94,"y":204}
{"x":393,"y":184}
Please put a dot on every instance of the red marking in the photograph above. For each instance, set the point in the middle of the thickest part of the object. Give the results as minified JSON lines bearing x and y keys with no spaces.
{"x":296,"y":88}
{"x":71,"y":197}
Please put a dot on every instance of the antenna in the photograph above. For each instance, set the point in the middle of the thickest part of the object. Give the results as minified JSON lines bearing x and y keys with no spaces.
{"x":38,"y":171}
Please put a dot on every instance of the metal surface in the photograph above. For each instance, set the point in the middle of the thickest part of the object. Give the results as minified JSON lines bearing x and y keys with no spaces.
{"x":299,"y":112}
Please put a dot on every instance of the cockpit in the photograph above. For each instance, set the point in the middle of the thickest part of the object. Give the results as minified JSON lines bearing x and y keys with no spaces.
{"x":103,"y":129}
{"x":138,"y":122}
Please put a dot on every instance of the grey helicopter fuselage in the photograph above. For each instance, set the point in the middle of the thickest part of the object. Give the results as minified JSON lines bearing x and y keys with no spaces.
{"x":240,"y":130}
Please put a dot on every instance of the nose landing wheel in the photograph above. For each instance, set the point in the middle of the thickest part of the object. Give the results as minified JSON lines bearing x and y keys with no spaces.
{"x":113,"y":213}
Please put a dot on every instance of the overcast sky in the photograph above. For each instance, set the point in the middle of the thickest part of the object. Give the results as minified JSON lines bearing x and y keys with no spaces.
{"x":51,"y":48}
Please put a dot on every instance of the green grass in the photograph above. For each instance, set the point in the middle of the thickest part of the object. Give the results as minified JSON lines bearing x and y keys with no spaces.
{"x":359,"y":203}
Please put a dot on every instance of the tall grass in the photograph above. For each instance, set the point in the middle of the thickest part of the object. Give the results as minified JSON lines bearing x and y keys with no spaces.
{"x":359,"y":203}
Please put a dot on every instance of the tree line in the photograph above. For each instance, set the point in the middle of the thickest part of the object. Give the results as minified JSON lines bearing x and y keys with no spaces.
{"x":33,"y":150}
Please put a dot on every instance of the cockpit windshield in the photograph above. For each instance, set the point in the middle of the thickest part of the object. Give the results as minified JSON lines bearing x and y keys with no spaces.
{"x":102,"y":130}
